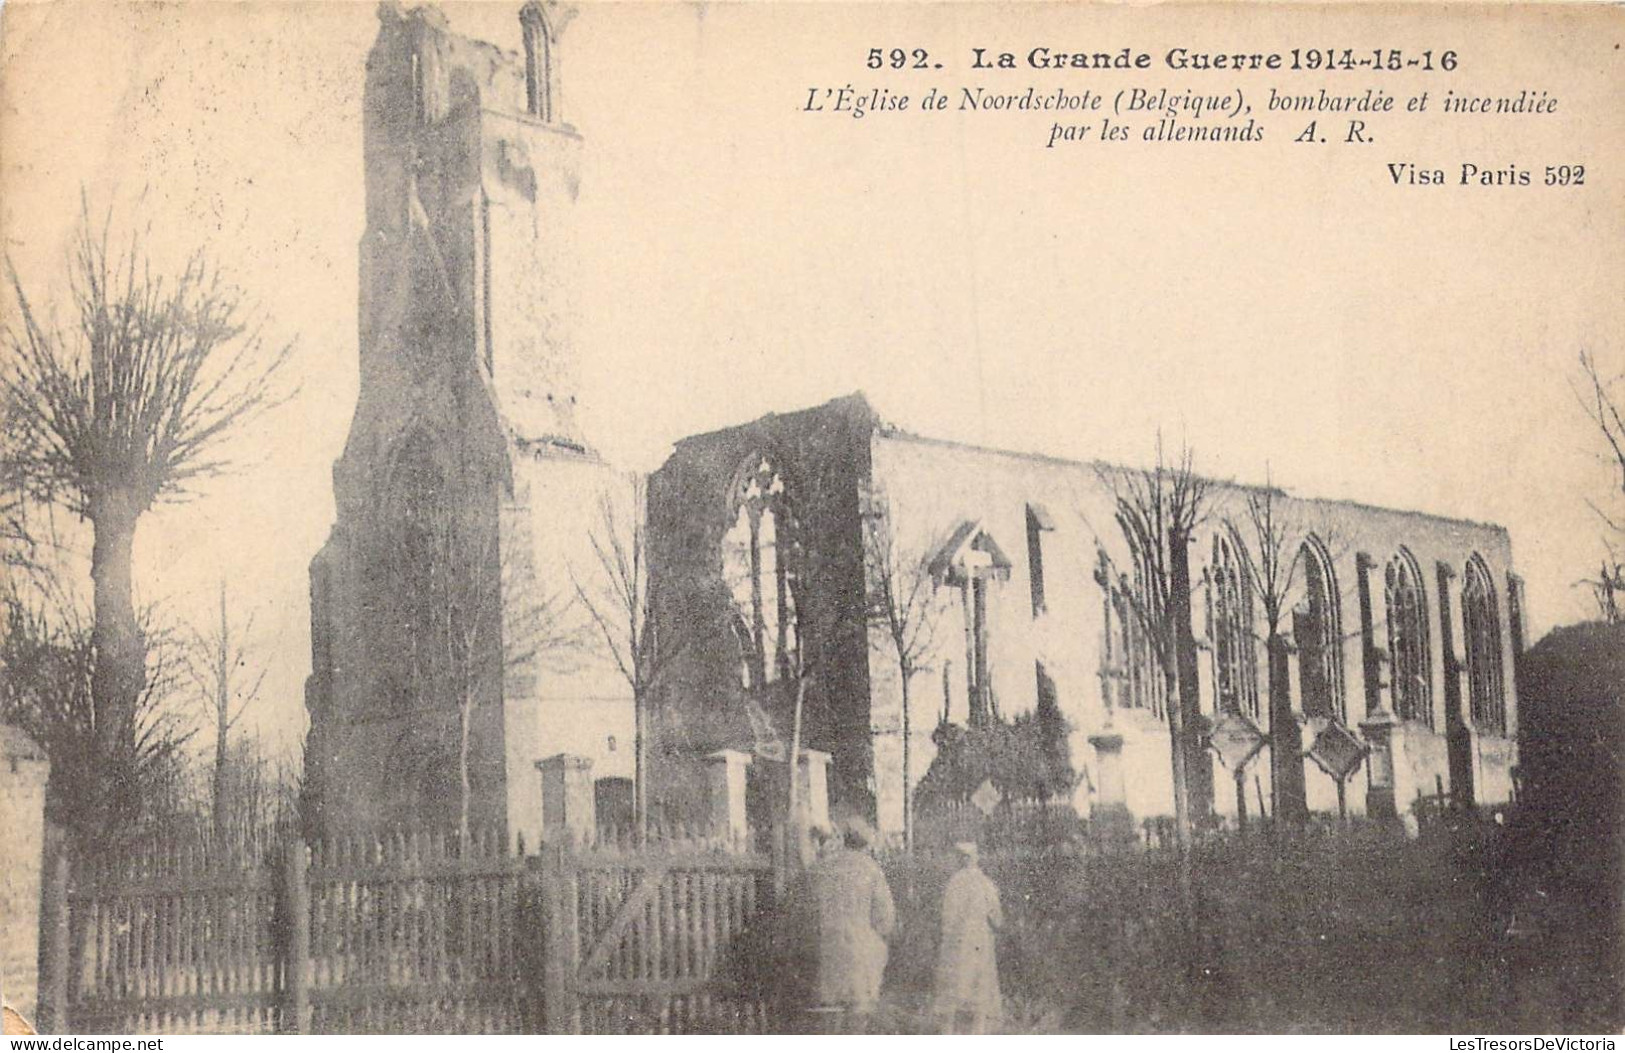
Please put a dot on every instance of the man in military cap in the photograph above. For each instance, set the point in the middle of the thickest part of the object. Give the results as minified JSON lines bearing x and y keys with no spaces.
{"x":853,"y":908}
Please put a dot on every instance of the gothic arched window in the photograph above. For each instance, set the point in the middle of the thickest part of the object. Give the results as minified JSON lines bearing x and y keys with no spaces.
{"x":1409,"y":656}
{"x":1317,"y":626}
{"x":1144,"y":684}
{"x":538,"y":38}
{"x":429,"y":83}
{"x":758,"y":565}
{"x":1482,"y":623}
{"x":1234,"y":656}
{"x":1129,"y":660}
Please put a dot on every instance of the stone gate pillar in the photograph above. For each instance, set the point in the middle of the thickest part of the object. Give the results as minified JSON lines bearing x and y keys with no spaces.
{"x":23,"y":771}
{"x":813,"y":788}
{"x":568,"y":808}
{"x":725,"y":776}
{"x":1109,"y":816}
{"x":1110,"y":798}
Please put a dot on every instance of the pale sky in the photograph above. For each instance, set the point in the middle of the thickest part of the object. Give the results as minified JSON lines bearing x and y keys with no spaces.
{"x":1283,"y":307}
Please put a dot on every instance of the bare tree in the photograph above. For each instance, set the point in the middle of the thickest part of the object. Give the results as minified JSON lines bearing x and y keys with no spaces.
{"x":620,"y":605}
{"x":902,"y":605}
{"x":482,"y":622}
{"x":126,"y":407}
{"x":227,"y":683}
{"x":259,"y":791}
{"x":1599,"y":399}
{"x":1272,"y":552}
{"x":1158,"y":510}
{"x":1607,"y":588}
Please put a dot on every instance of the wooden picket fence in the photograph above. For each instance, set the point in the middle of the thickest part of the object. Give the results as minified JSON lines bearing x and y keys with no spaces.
{"x":176,"y":935}
{"x":411,"y":933}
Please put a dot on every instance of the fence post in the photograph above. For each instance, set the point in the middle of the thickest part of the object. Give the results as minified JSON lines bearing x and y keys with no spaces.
{"x":296,"y":964}
{"x":55,"y":930}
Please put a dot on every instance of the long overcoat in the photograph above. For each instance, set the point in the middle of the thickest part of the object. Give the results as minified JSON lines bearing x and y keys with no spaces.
{"x":967,"y":968}
{"x":853,"y":908}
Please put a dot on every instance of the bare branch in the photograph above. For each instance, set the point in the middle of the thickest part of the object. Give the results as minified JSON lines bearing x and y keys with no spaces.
{"x":1158,"y":511}
{"x":137,"y":396}
{"x":617,"y":597}
{"x":1271,"y":551}
{"x":1596,"y":398}
{"x":902,"y":597}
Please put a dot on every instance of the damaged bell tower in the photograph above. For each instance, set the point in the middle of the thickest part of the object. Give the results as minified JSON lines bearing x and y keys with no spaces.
{"x":424,"y":694}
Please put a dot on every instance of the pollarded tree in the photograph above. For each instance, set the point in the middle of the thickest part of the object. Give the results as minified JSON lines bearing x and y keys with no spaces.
{"x":1159,"y":510}
{"x":127,"y":406}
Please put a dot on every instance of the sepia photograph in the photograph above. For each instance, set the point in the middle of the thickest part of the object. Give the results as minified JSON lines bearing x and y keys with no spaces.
{"x":879,"y":518}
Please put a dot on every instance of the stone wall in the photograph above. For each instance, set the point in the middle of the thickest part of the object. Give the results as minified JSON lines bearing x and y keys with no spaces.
{"x":23,"y":771}
{"x":822,"y":455}
{"x":930,"y":487}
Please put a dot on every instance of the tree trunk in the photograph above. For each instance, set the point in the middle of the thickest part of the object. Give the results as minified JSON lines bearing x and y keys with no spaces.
{"x":1185,"y":908}
{"x":464,"y":783}
{"x":1198,"y":771}
{"x":1176,"y":749}
{"x":640,"y":766}
{"x":1240,"y":776}
{"x":120,"y":668}
{"x":219,"y":781}
{"x":798,"y":829}
{"x":1192,"y":794}
{"x":222,"y":719}
{"x":908,"y":782}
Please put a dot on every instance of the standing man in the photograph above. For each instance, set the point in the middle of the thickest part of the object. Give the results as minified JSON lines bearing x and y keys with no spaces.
{"x":854,"y":911}
{"x":967,"y":968}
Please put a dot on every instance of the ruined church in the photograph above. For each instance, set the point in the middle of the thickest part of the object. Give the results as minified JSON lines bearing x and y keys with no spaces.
{"x":1378,"y":670}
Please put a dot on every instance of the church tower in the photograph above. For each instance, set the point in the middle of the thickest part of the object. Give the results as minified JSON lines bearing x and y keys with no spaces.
{"x":425,"y":695}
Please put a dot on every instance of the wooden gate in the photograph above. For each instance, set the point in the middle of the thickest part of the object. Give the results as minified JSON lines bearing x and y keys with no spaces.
{"x":648,"y":939}
{"x":408,"y":933}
